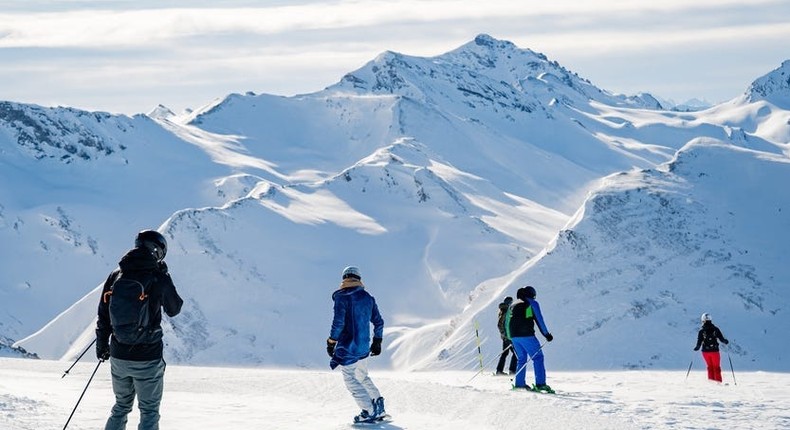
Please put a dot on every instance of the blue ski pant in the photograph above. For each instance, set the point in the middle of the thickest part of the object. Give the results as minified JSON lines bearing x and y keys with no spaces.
{"x":360,"y":385}
{"x":144,"y":379}
{"x":529,"y":347}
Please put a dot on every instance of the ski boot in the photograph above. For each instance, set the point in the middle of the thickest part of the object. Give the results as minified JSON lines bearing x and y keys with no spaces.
{"x":364,"y":417}
{"x":543,"y":388}
{"x":378,"y":408}
{"x":522,"y":387}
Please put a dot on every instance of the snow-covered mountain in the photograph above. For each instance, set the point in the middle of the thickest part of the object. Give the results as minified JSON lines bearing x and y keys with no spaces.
{"x":449,"y":180}
{"x":651,"y":250}
{"x":773,"y":87}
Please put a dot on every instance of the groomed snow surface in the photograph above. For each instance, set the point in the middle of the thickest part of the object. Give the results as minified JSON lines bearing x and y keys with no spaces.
{"x":33,"y":396}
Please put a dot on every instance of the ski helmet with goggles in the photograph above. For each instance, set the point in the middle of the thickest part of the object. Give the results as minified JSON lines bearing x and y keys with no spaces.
{"x":351,"y":272}
{"x":153,"y":241}
{"x":704,"y":317}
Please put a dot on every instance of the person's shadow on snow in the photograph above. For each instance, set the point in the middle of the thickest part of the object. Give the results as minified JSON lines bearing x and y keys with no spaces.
{"x":376,"y":426}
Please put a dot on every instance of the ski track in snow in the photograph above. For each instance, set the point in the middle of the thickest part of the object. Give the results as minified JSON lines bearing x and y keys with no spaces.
{"x":33,"y":396}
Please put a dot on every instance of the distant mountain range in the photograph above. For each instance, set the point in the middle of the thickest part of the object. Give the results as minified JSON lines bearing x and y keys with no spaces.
{"x":450,"y":181}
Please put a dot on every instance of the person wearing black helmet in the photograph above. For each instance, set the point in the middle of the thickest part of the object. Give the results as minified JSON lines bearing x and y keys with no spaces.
{"x":129,"y":331}
{"x":708,"y":338}
{"x":520,"y":325}
{"x":507,"y":345}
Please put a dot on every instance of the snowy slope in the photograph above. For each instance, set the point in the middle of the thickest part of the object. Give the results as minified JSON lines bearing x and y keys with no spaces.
{"x":626,"y":280}
{"x":440,"y":177}
{"x":33,"y":396}
{"x":76,"y":186}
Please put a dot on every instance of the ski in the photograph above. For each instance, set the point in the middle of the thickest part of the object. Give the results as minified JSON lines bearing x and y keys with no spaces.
{"x":535,"y":389}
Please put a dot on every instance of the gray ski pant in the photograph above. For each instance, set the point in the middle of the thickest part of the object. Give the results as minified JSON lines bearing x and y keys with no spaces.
{"x":359,"y":384}
{"x":142,"y":378}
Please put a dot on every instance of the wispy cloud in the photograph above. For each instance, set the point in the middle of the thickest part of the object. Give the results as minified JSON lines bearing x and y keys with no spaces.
{"x":177,"y":54}
{"x":141,"y":27}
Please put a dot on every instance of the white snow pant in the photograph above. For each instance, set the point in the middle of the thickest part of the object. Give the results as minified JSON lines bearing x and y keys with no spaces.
{"x":359,"y":384}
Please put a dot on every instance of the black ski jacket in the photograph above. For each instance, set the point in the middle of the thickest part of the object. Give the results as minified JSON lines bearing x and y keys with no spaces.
{"x":709,"y":336}
{"x":139,"y":264}
{"x":521,"y":319}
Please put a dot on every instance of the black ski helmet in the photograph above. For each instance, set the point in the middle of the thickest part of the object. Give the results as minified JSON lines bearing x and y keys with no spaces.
{"x":526,"y":292}
{"x":530,"y":291}
{"x":153,"y":241}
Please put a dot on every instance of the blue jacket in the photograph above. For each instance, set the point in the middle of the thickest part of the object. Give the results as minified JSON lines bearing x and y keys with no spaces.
{"x":355,"y":310}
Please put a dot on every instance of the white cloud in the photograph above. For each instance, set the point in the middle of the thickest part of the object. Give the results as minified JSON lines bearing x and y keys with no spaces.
{"x":140,"y":27}
{"x":172,"y":54}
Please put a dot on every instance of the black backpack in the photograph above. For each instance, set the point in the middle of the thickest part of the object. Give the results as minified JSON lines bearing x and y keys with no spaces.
{"x":130,"y":311}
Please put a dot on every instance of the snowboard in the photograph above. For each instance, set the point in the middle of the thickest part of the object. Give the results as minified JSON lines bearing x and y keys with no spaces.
{"x":373,"y":422}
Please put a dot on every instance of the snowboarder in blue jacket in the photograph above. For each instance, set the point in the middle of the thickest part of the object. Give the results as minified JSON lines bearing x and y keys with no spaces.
{"x":520,"y":325}
{"x":349,"y":342}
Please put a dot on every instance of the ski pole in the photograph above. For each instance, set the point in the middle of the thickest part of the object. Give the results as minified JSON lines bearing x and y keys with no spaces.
{"x":689,"y":371}
{"x":479,"y":352}
{"x":78,"y":359}
{"x":489,"y":362}
{"x":529,"y":357}
{"x":731,"y":368}
{"x":83,"y":393}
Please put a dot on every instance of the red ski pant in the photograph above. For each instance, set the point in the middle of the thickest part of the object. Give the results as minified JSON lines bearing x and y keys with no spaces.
{"x":713,"y":360}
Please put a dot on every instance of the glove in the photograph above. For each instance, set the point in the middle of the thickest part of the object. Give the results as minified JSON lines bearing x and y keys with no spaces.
{"x":549,"y":337}
{"x":696,"y":348}
{"x":163,"y":267}
{"x":330,"y":347}
{"x":102,"y":351}
{"x":726,"y":342}
{"x":375,"y":347}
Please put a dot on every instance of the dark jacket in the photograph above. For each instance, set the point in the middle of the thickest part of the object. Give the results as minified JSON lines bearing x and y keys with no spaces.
{"x":139,"y":264}
{"x":708,"y":337}
{"x":354,"y":310}
{"x":521,"y":318}
{"x":501,"y":317}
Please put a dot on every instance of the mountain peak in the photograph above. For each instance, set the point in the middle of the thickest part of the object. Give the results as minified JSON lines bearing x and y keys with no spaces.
{"x":484,"y":71}
{"x":773,"y":87}
{"x":65,"y":134}
{"x":161,"y":112}
{"x":489,"y":42}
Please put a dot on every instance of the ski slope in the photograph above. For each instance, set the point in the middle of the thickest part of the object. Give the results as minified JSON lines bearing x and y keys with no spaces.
{"x":33,"y":396}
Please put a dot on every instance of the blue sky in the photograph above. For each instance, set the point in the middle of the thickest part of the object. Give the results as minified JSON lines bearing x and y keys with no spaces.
{"x":128,"y":56}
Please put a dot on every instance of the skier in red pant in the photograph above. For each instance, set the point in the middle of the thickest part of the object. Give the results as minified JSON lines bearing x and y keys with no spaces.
{"x":708,"y":337}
